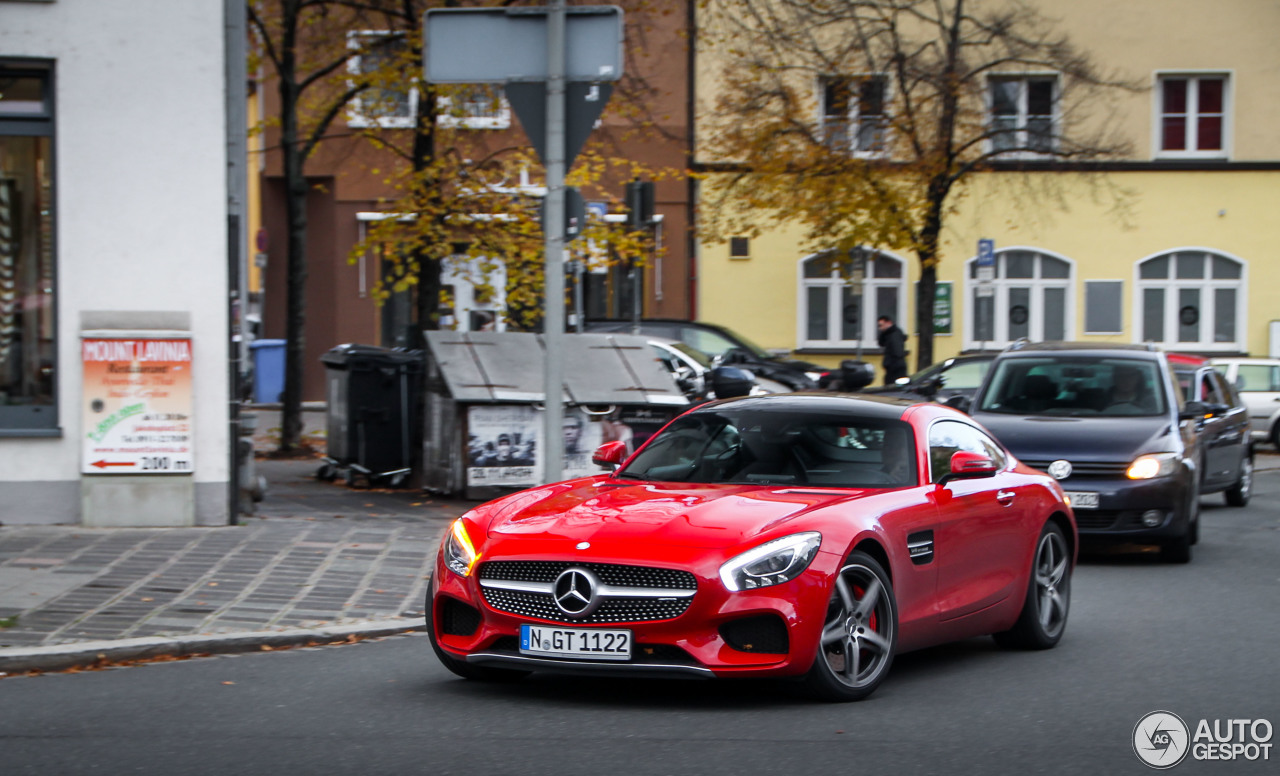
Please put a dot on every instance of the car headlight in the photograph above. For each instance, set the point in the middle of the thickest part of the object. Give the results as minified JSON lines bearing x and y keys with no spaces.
{"x":1148,"y":467}
{"x":459,"y":553}
{"x":772,"y":563}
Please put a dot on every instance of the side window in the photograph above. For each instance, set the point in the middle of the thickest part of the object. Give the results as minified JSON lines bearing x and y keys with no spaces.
{"x":968,"y":375}
{"x":1209,"y":390}
{"x":1228,"y":392}
{"x":1255,"y":377}
{"x":949,"y":437}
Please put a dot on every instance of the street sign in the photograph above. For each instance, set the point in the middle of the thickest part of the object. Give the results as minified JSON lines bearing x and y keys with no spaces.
{"x":986,"y":253}
{"x":501,"y":45}
{"x":583,"y":103}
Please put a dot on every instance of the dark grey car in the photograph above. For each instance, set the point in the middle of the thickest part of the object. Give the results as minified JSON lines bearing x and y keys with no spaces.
{"x":1110,"y":422}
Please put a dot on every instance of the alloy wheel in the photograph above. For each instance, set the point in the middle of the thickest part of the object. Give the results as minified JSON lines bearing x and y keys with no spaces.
{"x":857,"y":640}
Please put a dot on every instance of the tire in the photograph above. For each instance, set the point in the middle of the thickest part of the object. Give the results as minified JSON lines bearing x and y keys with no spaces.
{"x":1238,"y":494}
{"x":862,"y":621}
{"x":1178,"y":549}
{"x":1043,"y":619}
{"x":461,"y":667}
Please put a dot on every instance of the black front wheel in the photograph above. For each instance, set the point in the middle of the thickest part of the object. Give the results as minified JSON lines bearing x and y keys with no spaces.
{"x":1044,"y":614}
{"x":1238,"y":494}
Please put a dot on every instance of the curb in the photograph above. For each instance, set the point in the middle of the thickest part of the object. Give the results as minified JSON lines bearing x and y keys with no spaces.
{"x":60,"y":657}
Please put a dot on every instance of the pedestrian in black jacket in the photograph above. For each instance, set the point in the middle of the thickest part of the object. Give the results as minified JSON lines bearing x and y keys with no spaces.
{"x":893,"y":342}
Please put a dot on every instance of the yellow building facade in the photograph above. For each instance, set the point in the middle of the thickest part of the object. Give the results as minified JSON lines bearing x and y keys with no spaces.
{"x":1175,"y":244}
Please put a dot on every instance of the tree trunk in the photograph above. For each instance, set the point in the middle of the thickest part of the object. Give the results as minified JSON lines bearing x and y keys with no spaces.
{"x":296,"y":283}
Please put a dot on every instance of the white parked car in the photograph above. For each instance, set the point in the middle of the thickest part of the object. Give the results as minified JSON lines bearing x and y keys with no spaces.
{"x":1258,"y":381}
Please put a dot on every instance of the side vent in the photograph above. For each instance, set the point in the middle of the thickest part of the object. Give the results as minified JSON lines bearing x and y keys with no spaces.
{"x":920,"y":547}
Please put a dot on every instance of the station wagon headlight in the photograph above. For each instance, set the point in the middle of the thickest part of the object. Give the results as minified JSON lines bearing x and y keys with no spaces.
{"x":772,"y":563}
{"x":1149,"y":467}
{"x":459,"y":553}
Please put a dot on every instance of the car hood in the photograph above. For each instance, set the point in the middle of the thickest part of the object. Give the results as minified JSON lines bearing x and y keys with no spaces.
{"x":1102,"y":440}
{"x":613,"y":514}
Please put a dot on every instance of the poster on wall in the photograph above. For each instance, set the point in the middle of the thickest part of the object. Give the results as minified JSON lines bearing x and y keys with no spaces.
{"x":137,"y":406}
{"x":503,"y":449}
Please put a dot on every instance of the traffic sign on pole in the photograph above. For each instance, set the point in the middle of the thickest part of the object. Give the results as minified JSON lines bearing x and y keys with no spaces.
{"x":566,"y":54}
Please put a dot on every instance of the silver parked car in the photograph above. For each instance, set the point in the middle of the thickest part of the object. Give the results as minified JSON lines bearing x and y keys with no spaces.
{"x":1258,"y":381}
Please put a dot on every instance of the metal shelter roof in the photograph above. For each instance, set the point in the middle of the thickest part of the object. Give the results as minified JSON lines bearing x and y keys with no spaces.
{"x":599,"y":369}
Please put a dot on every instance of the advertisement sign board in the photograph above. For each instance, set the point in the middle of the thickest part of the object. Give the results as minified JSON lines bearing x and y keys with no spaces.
{"x":137,"y":406}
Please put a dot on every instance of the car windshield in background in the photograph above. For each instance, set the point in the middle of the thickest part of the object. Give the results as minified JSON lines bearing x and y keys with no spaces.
{"x":1075,"y":386}
{"x":695,"y":355}
{"x":769,"y":448}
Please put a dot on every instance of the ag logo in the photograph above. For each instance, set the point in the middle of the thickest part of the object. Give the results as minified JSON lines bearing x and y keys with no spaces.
{"x":1161,"y":739}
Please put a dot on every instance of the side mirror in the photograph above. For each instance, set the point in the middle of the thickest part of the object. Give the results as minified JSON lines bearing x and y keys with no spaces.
{"x":958,"y":402}
{"x":736,"y":356}
{"x":730,"y":381}
{"x":968,"y":466}
{"x":902,"y":381}
{"x":610,"y":455}
{"x":1194,"y":410}
{"x":931,"y":387}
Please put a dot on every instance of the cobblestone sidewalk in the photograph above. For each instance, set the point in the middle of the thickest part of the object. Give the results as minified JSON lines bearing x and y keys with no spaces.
{"x":317,"y":555}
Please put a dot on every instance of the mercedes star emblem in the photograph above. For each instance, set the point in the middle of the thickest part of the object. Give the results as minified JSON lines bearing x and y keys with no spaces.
{"x":1060,"y":470}
{"x":575,"y":592}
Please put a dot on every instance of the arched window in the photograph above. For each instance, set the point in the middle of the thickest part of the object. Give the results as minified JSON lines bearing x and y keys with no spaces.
{"x":1191,"y":300}
{"x":841,"y":298}
{"x":1029,"y":294}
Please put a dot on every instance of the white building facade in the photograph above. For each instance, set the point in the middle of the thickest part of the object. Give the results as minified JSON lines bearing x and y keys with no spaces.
{"x":114,"y":321}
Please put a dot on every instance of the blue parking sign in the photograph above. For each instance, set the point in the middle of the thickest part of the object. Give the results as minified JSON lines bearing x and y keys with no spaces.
{"x":986,"y":253}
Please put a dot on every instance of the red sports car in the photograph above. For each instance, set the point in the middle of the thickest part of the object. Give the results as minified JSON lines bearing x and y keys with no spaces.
{"x":801,"y":535}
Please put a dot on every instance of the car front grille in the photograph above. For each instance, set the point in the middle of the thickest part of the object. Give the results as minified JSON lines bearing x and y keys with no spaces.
{"x":1085,"y":469}
{"x":624,"y":607}
{"x":610,"y":574}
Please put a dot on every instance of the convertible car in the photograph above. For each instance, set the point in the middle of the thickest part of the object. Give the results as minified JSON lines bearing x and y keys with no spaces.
{"x":804,"y":535}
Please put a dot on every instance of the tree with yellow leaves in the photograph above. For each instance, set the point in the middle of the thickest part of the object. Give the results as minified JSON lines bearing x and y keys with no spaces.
{"x":861,"y":120}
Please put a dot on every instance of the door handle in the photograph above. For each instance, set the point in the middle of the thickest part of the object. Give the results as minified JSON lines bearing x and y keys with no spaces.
{"x":1005,"y":497}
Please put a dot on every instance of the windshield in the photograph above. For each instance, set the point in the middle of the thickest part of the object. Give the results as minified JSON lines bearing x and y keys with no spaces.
{"x":713,"y":343}
{"x":769,"y":447}
{"x":1076,"y":386}
{"x":695,"y":355}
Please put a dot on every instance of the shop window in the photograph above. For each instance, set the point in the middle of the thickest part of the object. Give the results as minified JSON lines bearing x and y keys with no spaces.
{"x":28,"y":290}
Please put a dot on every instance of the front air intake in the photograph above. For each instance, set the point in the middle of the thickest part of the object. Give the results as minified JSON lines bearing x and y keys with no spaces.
{"x":761,"y":633}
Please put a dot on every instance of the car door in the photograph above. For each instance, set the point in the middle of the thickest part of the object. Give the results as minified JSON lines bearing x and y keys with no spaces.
{"x":977,"y":543}
{"x":1259,"y":387}
{"x":1223,"y":434}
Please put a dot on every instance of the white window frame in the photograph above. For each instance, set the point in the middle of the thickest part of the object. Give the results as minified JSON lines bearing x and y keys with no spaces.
{"x":1000,"y":291}
{"x":834,"y":283}
{"x":356,"y":117}
{"x":1193,"y":96}
{"x":1207,"y":301}
{"x":501,"y":119}
{"x":854,"y":118}
{"x":1022,"y":148}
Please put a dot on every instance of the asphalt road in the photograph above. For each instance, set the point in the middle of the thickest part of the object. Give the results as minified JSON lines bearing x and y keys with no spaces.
{"x":1198,"y":640}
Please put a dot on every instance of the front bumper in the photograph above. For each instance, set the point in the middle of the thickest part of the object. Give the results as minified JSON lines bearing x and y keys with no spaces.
{"x":771,"y":631}
{"x":1122,"y":502}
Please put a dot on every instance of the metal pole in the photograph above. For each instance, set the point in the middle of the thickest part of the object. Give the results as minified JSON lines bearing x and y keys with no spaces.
{"x":553,"y":440}
{"x":235,"y":27}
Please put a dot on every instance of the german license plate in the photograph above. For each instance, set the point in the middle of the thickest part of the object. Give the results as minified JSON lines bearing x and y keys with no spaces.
{"x":588,"y":643}
{"x":1082,"y":499}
